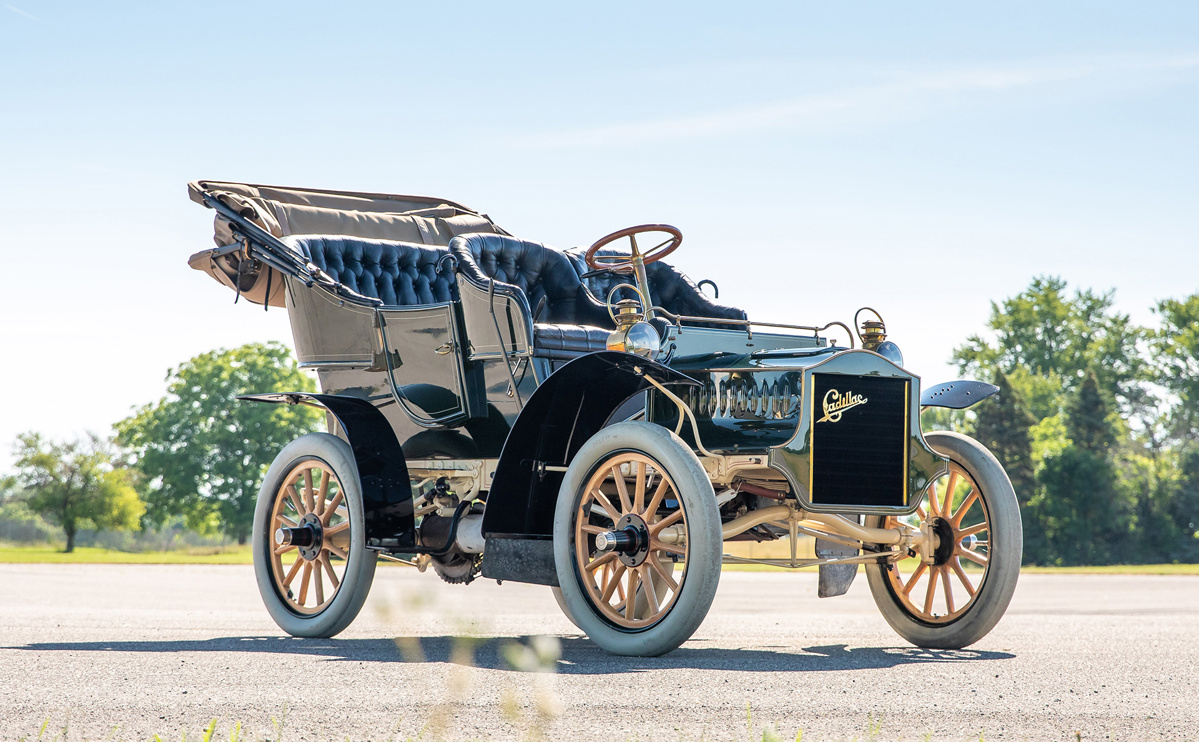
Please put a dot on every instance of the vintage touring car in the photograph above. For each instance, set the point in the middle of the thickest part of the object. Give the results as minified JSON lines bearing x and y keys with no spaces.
{"x":592,"y":421}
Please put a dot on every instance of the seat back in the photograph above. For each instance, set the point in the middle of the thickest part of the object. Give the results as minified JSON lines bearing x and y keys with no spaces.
{"x":540,"y":272}
{"x":669,"y":288}
{"x":397,"y":273}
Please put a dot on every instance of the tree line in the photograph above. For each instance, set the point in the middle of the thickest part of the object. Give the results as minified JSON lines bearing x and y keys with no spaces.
{"x":1096,"y":422}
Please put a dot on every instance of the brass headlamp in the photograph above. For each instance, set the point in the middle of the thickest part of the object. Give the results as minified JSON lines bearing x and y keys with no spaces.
{"x":632,"y":334}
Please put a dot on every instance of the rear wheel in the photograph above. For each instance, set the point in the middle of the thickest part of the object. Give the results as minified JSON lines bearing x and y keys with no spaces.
{"x":637,"y":540}
{"x":962,"y":594}
{"x":310,"y":558}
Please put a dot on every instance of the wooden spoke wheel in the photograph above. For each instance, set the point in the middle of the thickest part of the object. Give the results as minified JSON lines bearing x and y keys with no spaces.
{"x":310,"y":523}
{"x":310,"y":558}
{"x":637,"y":540}
{"x":960,"y":596}
{"x":629,"y":494}
{"x":944,"y":590}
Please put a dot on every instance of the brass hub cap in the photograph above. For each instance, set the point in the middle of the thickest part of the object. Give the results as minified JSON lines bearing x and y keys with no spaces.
{"x":309,"y":509}
{"x":635,"y":591}
{"x":940,"y":592}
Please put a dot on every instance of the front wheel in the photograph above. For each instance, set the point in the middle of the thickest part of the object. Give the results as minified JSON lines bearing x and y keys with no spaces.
{"x":637,"y":542}
{"x":959,"y":597}
{"x":310,"y":557}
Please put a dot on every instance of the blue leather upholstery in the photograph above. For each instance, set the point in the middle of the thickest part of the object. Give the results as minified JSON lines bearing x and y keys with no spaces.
{"x":568,"y":320}
{"x":396,"y":273}
{"x":564,"y":342}
{"x":540,"y":272}
{"x":669,"y":288}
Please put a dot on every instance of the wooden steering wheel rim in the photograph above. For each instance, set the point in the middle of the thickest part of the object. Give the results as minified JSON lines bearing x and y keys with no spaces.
{"x":655,"y":254}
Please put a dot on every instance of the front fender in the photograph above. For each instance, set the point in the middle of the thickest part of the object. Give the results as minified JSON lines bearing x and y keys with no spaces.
{"x":569,"y":407}
{"x":382,"y":470}
{"x":956,"y":395}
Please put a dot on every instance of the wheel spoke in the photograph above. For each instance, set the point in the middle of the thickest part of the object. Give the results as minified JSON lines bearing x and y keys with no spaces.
{"x":932,"y":591}
{"x":920,"y":511}
{"x":945,"y":586}
{"x":656,"y":564}
{"x":601,"y":561}
{"x":304,"y":582}
{"x":965,"y":506}
{"x":639,"y":488}
{"x":979,"y":528}
{"x":612,"y":583}
{"x":630,"y":598}
{"x":295,"y":500}
{"x":651,"y":593}
{"x":320,"y":585}
{"x":911,"y":583}
{"x":337,"y":551}
{"x":332,"y":506}
{"x":656,"y":528}
{"x":593,"y":529}
{"x":291,"y":573}
{"x":656,"y":500}
{"x":329,"y":570}
{"x":284,"y":548}
{"x":947,"y":506}
{"x":656,"y":545}
{"x":961,"y":573}
{"x":606,"y":504}
{"x":974,"y":556}
{"x":308,"y":491}
{"x":932,"y":499}
{"x":322,"y":492}
{"x":290,"y":523}
{"x":621,"y":490}
{"x":334,"y":530}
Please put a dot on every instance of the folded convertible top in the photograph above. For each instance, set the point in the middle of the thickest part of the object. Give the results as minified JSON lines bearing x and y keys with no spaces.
{"x":285,"y":211}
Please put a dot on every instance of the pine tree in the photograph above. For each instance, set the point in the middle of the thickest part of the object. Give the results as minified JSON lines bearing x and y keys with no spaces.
{"x":1088,"y":418}
{"x":1002,"y":425}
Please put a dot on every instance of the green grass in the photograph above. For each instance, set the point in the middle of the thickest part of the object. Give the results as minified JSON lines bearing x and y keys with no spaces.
{"x":90,"y":555}
{"x":242,"y":555}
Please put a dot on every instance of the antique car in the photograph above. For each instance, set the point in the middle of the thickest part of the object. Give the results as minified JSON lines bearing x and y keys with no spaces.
{"x":590,"y":420}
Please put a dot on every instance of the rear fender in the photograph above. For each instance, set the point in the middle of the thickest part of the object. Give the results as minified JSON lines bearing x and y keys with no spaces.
{"x":569,"y":407}
{"x":382,"y":471}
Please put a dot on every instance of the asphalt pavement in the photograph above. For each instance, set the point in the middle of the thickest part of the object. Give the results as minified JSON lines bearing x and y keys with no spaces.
{"x":127,"y":652}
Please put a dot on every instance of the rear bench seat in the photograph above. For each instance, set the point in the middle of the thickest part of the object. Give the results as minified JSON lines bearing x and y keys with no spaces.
{"x":397,"y":273}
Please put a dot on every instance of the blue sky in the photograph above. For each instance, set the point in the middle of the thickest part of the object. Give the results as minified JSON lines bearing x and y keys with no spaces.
{"x":921,"y":158}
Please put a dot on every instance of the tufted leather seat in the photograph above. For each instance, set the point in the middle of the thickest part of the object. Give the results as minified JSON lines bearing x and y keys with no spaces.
{"x":396,"y":273}
{"x":669,"y":288}
{"x":567,"y":320}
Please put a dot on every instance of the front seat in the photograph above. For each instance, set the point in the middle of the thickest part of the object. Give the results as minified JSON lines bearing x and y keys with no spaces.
{"x":567,"y":320}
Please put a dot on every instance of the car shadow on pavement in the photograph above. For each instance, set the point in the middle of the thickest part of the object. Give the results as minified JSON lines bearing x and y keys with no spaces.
{"x":576,"y":655}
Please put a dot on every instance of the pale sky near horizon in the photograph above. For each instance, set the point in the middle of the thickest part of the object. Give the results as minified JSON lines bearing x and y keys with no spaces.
{"x":921,"y":158}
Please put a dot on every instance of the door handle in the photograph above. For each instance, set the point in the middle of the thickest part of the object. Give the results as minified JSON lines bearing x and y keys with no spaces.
{"x":444,"y":349}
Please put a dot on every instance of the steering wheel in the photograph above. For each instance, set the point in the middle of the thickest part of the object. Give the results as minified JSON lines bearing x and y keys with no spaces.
{"x":622,"y":264}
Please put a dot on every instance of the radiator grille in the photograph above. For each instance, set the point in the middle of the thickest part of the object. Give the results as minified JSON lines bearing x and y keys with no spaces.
{"x":859,"y":444}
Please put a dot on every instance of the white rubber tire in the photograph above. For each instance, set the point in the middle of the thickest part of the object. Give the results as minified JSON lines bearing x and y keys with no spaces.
{"x":703,"y":532}
{"x":360,"y":565}
{"x":1006,"y":547}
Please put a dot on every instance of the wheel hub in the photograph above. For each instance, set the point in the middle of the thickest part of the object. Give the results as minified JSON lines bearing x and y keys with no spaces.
{"x":629,"y":540}
{"x":946,"y":540}
{"x":306,"y":536}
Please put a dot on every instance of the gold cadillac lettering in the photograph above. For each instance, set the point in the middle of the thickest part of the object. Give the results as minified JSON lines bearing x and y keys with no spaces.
{"x":836,"y":403}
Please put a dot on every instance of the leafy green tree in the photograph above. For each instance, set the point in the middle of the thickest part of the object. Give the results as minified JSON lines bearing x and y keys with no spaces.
{"x":76,"y":484}
{"x":1056,"y":336}
{"x":1175,"y":350}
{"x":1003,"y":424}
{"x":204,"y":452}
{"x":1085,"y":508}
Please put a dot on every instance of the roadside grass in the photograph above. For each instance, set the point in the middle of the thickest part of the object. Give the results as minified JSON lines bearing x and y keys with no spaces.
{"x":45,"y":554}
{"x":93,"y":555}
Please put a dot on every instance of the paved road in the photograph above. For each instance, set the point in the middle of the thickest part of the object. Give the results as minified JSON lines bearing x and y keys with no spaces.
{"x":164,"y":649}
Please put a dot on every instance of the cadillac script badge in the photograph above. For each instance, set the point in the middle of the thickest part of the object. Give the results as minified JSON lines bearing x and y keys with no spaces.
{"x":836,"y":403}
